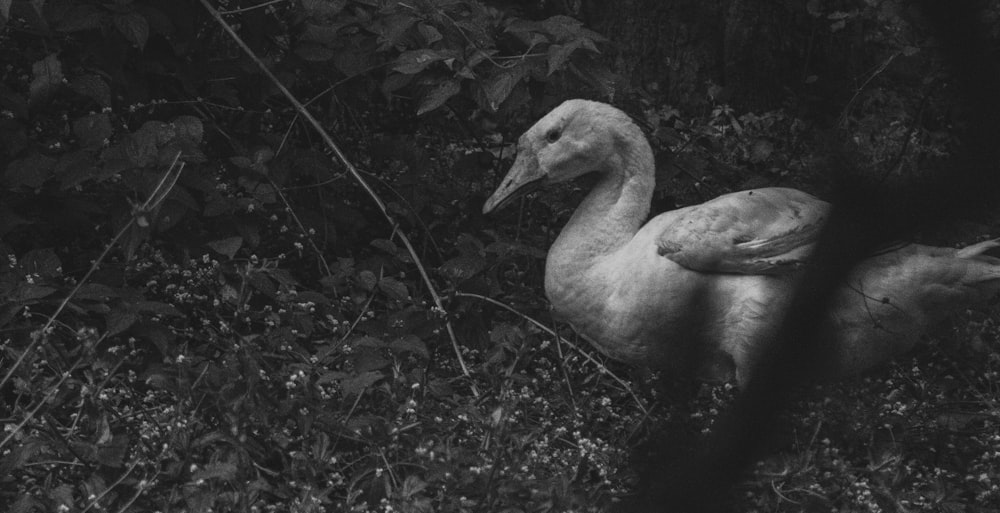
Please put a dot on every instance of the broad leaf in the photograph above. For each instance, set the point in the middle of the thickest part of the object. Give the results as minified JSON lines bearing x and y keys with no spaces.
{"x":81,"y":17}
{"x":29,"y":292}
{"x":394,"y":288}
{"x":228,"y":246}
{"x":409,"y":344}
{"x":314,"y":52}
{"x":225,"y":471}
{"x":134,"y":27}
{"x":500,"y":85}
{"x":415,"y":61}
{"x":47,"y":76}
{"x":119,"y":320}
{"x":463,"y":267}
{"x":93,"y":87}
{"x":42,"y":262}
{"x":558,"y":54}
{"x":393,"y":30}
{"x":94,"y":130}
{"x":429,"y":33}
{"x":367,"y":280}
{"x":438,"y":95}
{"x":30,"y":172}
{"x":189,"y":127}
{"x":385,"y":245}
{"x":357,"y":384}
{"x":96,"y":292}
{"x":563,"y":27}
{"x":323,"y":8}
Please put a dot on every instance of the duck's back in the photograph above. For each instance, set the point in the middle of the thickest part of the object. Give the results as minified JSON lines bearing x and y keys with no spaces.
{"x":890,"y":300}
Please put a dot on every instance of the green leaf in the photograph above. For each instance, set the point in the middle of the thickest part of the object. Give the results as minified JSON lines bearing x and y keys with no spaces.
{"x":395,"y":82}
{"x":218,"y":204}
{"x":479,"y":56}
{"x":21,"y":454}
{"x":440,"y":388}
{"x":367,"y":280}
{"x":394,"y":288}
{"x":415,"y":61}
{"x":357,"y":384}
{"x":42,"y":262}
{"x":134,"y":27}
{"x":225,"y":471}
{"x":74,"y":168}
{"x":81,"y":17}
{"x":430,"y":34}
{"x":189,"y":127}
{"x":814,"y":8}
{"x":523,"y":27}
{"x":558,"y":54}
{"x":93,"y":130}
{"x":463,"y":267}
{"x":228,"y":246}
{"x":112,"y":454}
{"x":47,"y":76}
{"x":96,"y":292}
{"x":500,"y":85}
{"x":331,"y":376}
{"x":352,"y":63}
{"x":30,"y":172}
{"x":119,"y":320}
{"x":563,"y":27}
{"x":385,"y":245}
{"x":140,"y":148}
{"x":327,"y":35}
{"x":27,"y":504}
{"x":92,"y":86}
{"x":410,"y":344}
{"x":157,"y":308}
{"x":393,"y":29}
{"x":597,"y":75}
{"x":412,"y":486}
{"x":323,"y":8}
{"x":313,"y":52}
{"x":368,"y":341}
{"x":505,"y":334}
{"x":30,"y":292}
{"x":63,"y":496}
{"x":438,"y":95}
{"x":18,"y":107}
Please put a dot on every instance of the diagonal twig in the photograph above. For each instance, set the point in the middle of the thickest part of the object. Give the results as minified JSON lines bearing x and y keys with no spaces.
{"x":342,"y":157}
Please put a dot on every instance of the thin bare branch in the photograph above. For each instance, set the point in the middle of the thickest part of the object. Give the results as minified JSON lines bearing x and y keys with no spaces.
{"x":342,"y":157}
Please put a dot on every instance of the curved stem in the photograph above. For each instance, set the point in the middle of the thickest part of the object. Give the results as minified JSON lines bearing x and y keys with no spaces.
{"x":342,"y":157}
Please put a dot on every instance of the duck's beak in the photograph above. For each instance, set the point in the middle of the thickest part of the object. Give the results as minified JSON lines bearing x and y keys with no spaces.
{"x":524,"y":176}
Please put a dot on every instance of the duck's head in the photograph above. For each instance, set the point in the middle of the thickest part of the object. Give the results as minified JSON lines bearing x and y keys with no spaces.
{"x":575,"y":138}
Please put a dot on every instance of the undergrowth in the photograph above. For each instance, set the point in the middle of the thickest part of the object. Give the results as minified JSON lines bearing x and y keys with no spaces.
{"x":200,"y":310}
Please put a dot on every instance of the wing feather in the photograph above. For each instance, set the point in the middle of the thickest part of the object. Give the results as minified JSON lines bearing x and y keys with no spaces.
{"x":759,"y":231}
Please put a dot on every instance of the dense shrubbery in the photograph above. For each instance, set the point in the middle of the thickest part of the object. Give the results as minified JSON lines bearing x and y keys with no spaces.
{"x":200,"y":310}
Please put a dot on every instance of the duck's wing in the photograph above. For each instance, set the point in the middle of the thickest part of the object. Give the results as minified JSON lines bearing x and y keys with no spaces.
{"x":759,"y":231}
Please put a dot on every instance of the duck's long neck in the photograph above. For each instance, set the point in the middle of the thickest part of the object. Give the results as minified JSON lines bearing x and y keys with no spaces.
{"x":614,"y":210}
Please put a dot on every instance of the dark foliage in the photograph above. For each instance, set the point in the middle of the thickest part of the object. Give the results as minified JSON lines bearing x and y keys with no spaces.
{"x":201,"y":310}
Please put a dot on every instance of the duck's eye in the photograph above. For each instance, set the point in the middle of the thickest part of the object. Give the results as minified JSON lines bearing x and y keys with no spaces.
{"x":553,"y":135}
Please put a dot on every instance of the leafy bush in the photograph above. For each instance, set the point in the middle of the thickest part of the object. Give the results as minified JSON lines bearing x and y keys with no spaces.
{"x":199,"y":311}
{"x":439,"y":49}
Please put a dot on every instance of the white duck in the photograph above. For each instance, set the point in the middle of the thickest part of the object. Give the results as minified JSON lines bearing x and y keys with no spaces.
{"x":630,"y":288}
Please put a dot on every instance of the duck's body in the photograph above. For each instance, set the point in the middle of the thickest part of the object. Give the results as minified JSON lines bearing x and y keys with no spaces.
{"x":721,"y":272}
